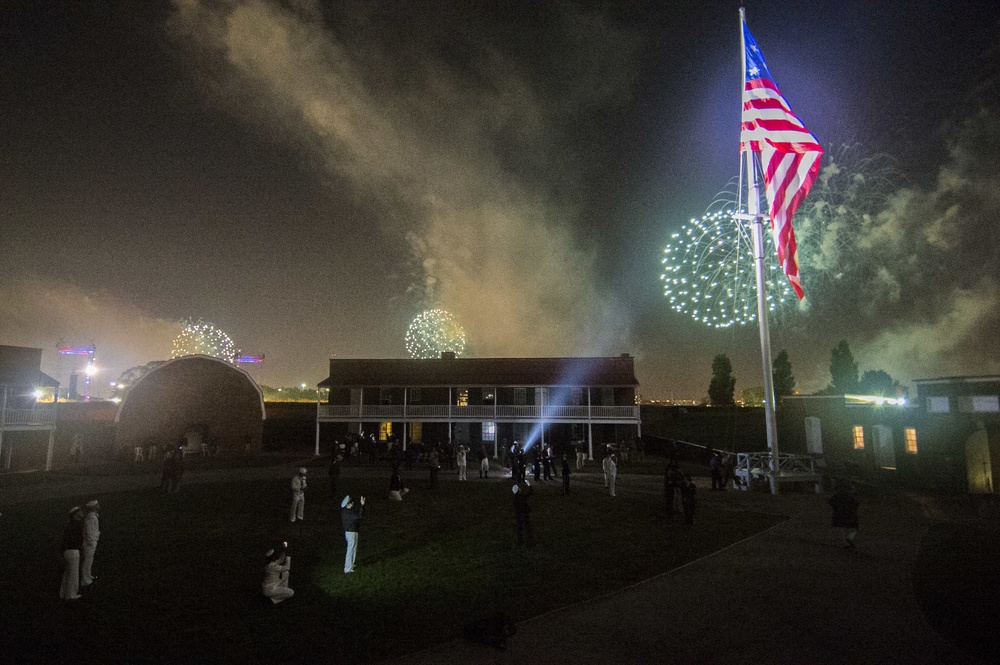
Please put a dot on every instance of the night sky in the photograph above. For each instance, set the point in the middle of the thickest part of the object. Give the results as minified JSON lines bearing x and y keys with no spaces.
{"x":310,"y":177}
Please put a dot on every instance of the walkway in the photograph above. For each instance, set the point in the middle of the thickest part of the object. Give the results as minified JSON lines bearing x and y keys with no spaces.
{"x":788,"y":595}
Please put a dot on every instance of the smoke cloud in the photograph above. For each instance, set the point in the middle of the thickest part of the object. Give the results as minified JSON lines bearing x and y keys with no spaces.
{"x":909,"y":275}
{"x":445,"y":136}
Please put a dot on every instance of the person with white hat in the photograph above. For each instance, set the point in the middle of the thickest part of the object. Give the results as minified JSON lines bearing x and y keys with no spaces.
{"x":277,"y":565}
{"x":352,"y":523}
{"x":72,"y":543}
{"x":298,"y":495}
{"x":91,"y":533}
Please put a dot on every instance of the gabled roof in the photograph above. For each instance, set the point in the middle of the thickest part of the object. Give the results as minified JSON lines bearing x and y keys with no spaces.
{"x":467,"y":372}
{"x":19,"y":366}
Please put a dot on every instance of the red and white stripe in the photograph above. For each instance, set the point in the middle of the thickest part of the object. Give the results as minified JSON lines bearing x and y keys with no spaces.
{"x":790,"y":158}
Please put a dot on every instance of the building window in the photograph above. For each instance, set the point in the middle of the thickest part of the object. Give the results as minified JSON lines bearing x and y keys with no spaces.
{"x":489,"y":431}
{"x":416,"y":431}
{"x":520,"y":396}
{"x":607,"y":396}
{"x":414,"y":395}
{"x":462,"y":398}
{"x":986,"y":403}
{"x":911,"y":440}
{"x":859,"y":437}
{"x":384,"y":431}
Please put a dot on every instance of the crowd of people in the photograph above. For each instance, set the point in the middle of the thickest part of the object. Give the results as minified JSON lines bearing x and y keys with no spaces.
{"x":82,"y":532}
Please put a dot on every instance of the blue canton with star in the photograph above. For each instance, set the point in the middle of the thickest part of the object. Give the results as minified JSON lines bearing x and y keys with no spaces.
{"x":756,"y":67}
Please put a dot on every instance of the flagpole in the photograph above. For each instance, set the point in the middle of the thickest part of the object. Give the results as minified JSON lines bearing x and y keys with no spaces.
{"x":754,"y":217}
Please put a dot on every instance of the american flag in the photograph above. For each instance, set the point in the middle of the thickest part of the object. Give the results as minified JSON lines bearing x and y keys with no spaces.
{"x":789,"y":153}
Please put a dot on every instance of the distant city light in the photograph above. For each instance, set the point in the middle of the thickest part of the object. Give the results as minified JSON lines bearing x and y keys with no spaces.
{"x":91,"y":370}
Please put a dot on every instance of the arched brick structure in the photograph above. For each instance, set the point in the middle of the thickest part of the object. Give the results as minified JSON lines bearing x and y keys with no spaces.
{"x":200,"y":398}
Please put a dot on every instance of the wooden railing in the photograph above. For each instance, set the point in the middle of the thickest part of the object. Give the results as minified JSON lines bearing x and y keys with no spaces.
{"x":477,"y":412}
{"x":34,"y":417}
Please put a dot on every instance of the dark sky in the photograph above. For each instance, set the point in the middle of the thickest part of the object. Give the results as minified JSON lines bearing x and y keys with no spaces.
{"x":309,"y":177}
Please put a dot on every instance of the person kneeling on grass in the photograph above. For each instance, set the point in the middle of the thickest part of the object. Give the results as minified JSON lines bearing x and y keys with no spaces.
{"x":396,"y":488}
{"x":277,"y":563}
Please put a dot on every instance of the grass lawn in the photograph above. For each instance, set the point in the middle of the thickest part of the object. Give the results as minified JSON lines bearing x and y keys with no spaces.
{"x":179,"y":577}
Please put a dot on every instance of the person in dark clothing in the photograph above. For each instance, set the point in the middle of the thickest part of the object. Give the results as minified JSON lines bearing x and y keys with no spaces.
{"x":715,"y":466}
{"x":565,"y":474}
{"x":72,"y":543}
{"x":538,"y":465}
{"x":335,"y":474}
{"x":547,"y":463}
{"x":845,"y":513}
{"x":520,"y":463}
{"x":689,"y":499}
{"x":397,"y":490}
{"x":522,"y":514}
{"x":351,"y":521}
{"x":408,"y":456}
{"x":435,"y":466}
{"x":727,"y":470}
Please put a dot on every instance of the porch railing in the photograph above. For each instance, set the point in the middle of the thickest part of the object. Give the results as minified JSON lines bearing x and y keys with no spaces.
{"x":476,"y":412}
{"x":33,"y":417}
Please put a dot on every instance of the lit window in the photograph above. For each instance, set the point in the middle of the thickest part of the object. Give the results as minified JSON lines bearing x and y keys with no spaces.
{"x":911,"y":440}
{"x":859,"y":437}
{"x":463,"y":398}
{"x":384,"y":431}
{"x":489,"y":431}
{"x":416,"y":431}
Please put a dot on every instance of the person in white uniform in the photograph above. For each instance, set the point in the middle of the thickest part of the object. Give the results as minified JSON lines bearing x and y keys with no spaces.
{"x":91,"y":533}
{"x":462,"y":457}
{"x":276,"y":568}
{"x":72,"y":543}
{"x":612,"y":472}
{"x":298,"y":495}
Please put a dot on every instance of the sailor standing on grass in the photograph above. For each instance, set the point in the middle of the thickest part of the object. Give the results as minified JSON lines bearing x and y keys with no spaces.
{"x":298,"y":496}
{"x":91,"y":533}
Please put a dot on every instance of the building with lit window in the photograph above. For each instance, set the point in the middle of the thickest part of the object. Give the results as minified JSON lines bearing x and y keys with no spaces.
{"x":948,"y":437}
{"x":482,"y":402}
{"x":27,"y":409}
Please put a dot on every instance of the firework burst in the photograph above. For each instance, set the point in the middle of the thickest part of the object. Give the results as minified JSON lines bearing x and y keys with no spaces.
{"x":708,"y":272}
{"x":433,"y":332}
{"x":201,"y":337}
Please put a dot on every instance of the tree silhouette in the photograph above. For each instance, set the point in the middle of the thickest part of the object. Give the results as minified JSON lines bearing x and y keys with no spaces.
{"x":784,"y":382}
{"x":723,"y":384}
{"x":843,"y":370}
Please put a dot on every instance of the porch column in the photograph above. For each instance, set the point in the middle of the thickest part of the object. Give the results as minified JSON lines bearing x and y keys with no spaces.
{"x":317,"y":437}
{"x":361,"y":410}
{"x":590,"y":430}
{"x":405,"y":401}
{"x":48,"y":455}
{"x":496,"y":426}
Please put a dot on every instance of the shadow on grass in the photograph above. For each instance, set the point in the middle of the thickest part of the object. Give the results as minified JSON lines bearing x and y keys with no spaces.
{"x":179,"y":577}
